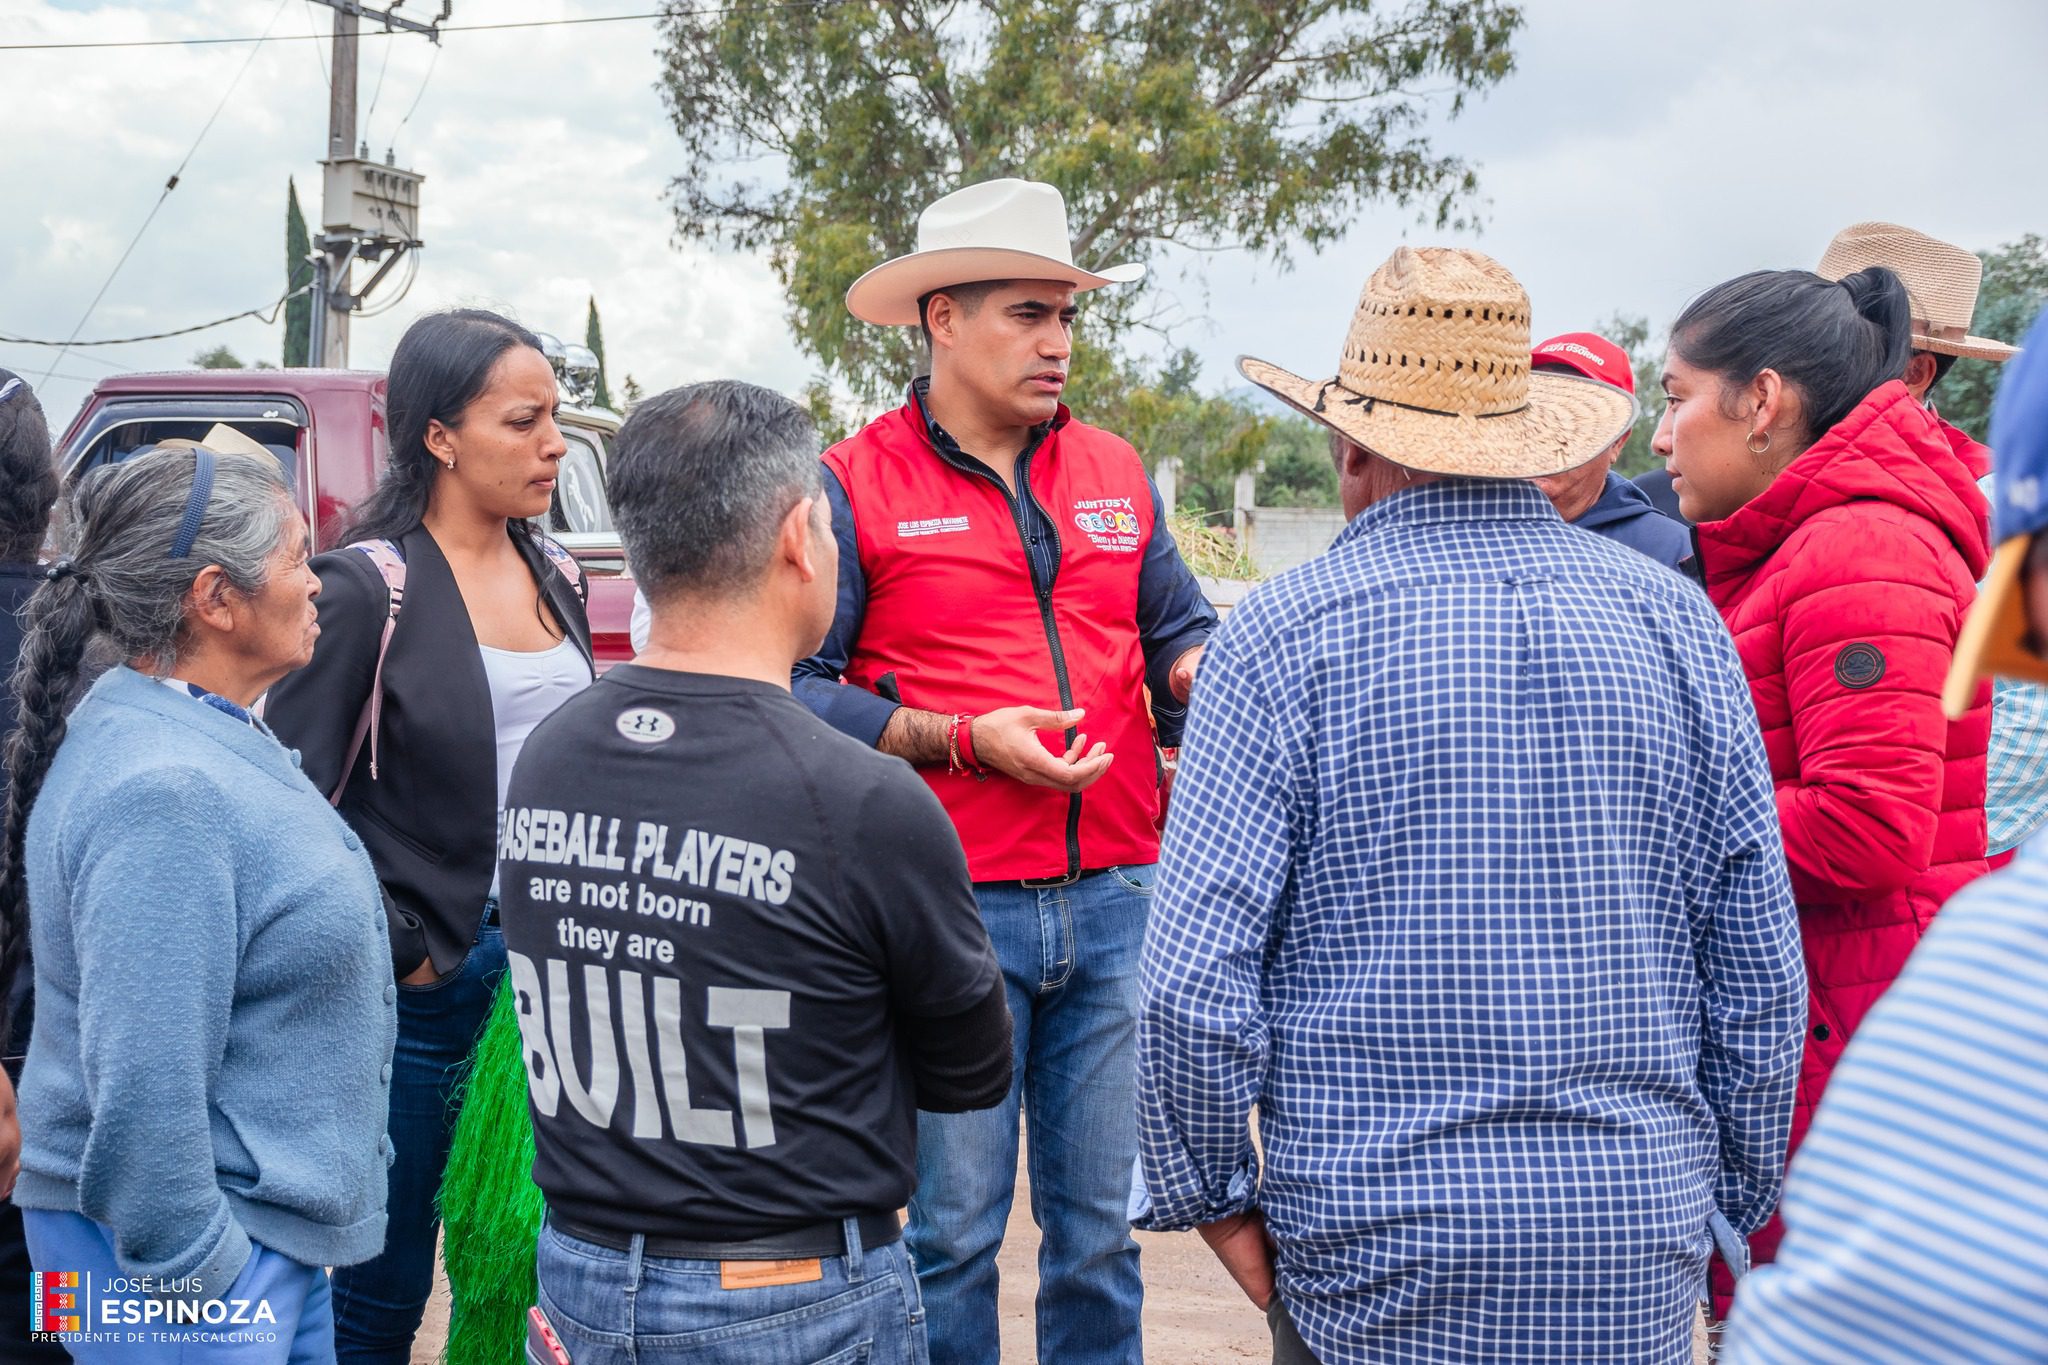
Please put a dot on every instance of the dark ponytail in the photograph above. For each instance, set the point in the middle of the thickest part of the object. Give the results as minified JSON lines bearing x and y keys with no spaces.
{"x":122,"y":587}
{"x":442,"y":363}
{"x":1834,"y":342}
{"x":28,"y":476}
{"x":59,"y":623}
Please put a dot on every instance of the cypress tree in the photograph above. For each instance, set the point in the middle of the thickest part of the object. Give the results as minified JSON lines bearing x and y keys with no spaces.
{"x":593,"y":337}
{"x":298,"y":272}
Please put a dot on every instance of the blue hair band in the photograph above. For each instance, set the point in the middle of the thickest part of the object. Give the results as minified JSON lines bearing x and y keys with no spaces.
{"x":195,"y":504}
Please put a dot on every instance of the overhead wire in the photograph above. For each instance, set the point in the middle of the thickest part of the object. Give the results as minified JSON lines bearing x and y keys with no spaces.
{"x":266,"y":315}
{"x":169,"y":185}
{"x":432,"y":62}
{"x":87,"y":379}
{"x":377,"y":92}
{"x":696,"y":12}
{"x":313,"y":31}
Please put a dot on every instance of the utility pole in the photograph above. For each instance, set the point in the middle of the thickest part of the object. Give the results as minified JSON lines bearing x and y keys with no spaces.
{"x":351,"y":182}
{"x":332,"y":352}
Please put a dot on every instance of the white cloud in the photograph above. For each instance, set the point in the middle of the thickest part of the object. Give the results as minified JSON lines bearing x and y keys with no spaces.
{"x":1642,"y":151}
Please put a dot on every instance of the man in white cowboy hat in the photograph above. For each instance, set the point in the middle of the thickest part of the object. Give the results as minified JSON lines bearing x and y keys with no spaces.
{"x":1522,"y":1044}
{"x":1943,"y":281}
{"x":1009,"y":593}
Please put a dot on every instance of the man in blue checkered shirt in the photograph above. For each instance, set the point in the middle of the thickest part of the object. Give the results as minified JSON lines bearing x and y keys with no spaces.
{"x":1472,"y":888}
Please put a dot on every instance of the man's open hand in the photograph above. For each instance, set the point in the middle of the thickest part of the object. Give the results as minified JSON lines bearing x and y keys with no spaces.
{"x":1007,"y":740}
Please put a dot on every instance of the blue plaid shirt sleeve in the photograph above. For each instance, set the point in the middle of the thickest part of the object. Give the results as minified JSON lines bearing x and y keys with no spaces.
{"x":1202,"y":1035}
{"x":1752,"y":974}
{"x":2016,"y":783}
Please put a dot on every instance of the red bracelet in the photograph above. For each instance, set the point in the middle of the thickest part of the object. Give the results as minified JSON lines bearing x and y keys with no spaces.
{"x":967,"y":743}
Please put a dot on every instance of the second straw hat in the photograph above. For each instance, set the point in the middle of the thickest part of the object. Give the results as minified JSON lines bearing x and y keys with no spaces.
{"x":1435,"y":376}
{"x":1941,"y":278}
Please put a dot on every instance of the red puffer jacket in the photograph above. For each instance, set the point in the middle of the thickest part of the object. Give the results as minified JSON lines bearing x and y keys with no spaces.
{"x":1844,"y":584}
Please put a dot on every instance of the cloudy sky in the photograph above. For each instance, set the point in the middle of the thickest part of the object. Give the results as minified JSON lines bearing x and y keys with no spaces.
{"x":1643,"y":150}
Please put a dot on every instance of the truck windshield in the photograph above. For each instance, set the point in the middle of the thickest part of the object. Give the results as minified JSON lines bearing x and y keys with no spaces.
{"x":124,"y":429}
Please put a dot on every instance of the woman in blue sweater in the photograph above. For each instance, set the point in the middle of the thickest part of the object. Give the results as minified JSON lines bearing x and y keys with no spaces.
{"x":203,"y":1107}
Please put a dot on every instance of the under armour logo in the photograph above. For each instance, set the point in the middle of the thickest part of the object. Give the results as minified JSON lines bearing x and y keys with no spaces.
{"x":645,"y":725}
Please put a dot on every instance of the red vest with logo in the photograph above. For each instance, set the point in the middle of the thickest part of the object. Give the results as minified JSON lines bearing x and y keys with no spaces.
{"x":953,"y":613}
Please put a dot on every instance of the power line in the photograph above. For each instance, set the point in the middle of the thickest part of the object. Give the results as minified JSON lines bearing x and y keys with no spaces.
{"x":376,"y":94}
{"x":313,"y":31}
{"x":86,"y":379}
{"x":169,"y":185}
{"x":267,"y":316}
{"x":695,"y":13}
{"x":432,"y":62}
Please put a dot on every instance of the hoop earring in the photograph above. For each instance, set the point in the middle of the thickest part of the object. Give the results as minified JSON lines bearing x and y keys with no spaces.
{"x":1750,"y":445}
{"x":449,"y":465}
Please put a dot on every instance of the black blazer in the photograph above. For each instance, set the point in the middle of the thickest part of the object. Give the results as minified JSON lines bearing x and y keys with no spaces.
{"x":430,"y":817}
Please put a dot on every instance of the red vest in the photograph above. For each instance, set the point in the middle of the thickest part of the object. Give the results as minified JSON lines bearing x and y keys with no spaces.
{"x":952,"y":612}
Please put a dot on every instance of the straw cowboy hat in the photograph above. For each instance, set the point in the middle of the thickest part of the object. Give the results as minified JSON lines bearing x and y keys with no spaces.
{"x":997,"y":230}
{"x":1942,"y":279}
{"x":1435,"y":376}
{"x":222,"y":439}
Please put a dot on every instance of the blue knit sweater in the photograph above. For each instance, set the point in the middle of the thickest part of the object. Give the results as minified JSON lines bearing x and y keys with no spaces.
{"x":211,"y":1061}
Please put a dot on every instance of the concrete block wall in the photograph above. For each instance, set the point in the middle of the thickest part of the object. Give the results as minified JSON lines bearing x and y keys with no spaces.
{"x":1282,"y":537}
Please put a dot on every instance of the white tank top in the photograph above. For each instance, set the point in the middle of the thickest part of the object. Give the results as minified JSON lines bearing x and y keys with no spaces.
{"x":525,"y":690}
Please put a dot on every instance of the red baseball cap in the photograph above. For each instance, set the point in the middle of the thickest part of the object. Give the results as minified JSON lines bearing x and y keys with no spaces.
{"x":1588,"y":354}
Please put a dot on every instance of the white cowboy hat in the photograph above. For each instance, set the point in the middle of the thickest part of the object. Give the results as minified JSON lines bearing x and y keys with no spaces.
{"x":1941,"y":278}
{"x":997,"y":230}
{"x":1435,"y":376}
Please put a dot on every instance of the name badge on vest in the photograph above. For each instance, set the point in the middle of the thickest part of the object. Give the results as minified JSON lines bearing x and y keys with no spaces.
{"x":761,"y":1274}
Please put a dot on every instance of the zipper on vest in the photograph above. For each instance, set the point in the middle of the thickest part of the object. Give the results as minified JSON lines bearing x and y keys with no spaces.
{"x":1052,"y":630}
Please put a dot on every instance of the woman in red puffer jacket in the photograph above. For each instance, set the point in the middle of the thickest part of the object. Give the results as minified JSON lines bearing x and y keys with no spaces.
{"x":1842,"y":538}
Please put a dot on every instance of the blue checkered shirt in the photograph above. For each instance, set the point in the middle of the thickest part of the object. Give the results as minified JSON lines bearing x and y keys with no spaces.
{"x":1473,"y":887}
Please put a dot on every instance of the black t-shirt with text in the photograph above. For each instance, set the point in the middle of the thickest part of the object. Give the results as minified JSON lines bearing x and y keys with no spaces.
{"x":723,"y":919}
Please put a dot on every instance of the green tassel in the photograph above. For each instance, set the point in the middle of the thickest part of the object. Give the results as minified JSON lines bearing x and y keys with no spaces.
{"x":490,"y":1208}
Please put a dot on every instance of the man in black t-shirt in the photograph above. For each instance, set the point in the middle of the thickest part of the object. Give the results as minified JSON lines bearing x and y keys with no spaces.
{"x":744,"y":948}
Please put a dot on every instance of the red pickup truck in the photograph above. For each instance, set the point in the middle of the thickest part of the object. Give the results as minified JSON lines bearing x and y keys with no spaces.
{"x":326,"y":428}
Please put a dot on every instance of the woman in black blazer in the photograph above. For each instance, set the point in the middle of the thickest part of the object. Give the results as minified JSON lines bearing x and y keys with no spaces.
{"x":489,"y":637}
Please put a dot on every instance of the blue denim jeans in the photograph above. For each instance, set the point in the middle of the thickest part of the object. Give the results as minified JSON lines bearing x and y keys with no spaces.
{"x":1070,"y":959}
{"x":615,"y":1307}
{"x":378,"y":1304}
{"x":301,"y":1330}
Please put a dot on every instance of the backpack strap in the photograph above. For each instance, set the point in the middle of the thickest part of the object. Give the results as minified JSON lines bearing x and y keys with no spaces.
{"x":390,"y":562}
{"x":566,"y":564}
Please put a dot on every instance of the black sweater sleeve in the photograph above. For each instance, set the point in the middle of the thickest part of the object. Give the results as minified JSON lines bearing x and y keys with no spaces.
{"x":315,"y":709}
{"x":962,"y":1061}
